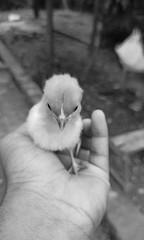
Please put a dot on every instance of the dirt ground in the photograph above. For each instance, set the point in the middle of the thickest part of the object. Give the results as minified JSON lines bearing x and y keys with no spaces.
{"x":102,"y":85}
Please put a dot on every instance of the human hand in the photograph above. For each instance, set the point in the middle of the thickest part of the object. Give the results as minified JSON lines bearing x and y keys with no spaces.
{"x":44,"y":198}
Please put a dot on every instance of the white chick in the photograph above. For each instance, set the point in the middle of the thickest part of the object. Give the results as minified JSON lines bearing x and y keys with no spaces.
{"x":55,"y":122}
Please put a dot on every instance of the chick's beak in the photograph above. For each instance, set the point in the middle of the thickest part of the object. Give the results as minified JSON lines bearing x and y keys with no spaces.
{"x":62,"y":119}
{"x":61,"y":122}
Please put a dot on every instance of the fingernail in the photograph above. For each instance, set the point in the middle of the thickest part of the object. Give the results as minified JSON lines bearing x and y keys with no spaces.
{"x":100,"y":113}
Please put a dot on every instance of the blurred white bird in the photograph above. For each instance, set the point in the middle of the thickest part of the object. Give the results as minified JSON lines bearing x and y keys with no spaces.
{"x":55,"y":122}
{"x":131,"y":54}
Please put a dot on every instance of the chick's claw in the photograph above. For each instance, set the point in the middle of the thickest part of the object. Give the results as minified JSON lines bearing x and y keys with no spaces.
{"x":76,"y":167}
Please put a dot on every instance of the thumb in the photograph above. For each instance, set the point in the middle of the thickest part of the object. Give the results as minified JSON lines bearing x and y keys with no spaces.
{"x":99,"y":141}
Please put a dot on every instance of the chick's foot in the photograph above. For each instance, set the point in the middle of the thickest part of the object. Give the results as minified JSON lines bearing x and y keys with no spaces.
{"x":76,"y":167}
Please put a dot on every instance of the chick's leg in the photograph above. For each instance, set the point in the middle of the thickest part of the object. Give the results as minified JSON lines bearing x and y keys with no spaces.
{"x":77,"y":148}
{"x":75,"y":166}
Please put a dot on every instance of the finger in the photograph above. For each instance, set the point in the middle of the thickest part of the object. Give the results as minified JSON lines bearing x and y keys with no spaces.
{"x":86,"y":134}
{"x":84,"y":154}
{"x":86,"y":143}
{"x":87,"y":127}
{"x":99,"y":141}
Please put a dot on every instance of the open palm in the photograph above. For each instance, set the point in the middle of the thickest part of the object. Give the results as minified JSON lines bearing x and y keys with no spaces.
{"x":80,"y":200}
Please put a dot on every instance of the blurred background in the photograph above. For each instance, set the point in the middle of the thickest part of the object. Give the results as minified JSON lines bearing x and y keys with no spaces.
{"x":101,"y":44}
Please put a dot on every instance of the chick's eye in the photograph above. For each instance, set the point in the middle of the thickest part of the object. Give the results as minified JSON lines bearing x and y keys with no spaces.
{"x":49,"y":107}
{"x":75,"y":108}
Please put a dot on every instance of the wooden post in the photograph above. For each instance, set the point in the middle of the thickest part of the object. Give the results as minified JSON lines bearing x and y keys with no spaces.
{"x":50,"y":33}
{"x":95,"y":19}
{"x":65,"y":4}
{"x":96,"y":34}
{"x":79,"y":5}
{"x":36,"y":8}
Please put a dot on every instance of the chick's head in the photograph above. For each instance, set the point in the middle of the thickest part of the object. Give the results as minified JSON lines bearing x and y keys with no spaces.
{"x":62,"y":98}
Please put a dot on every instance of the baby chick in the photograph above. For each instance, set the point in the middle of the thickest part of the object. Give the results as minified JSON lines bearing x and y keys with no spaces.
{"x":55,"y":123}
